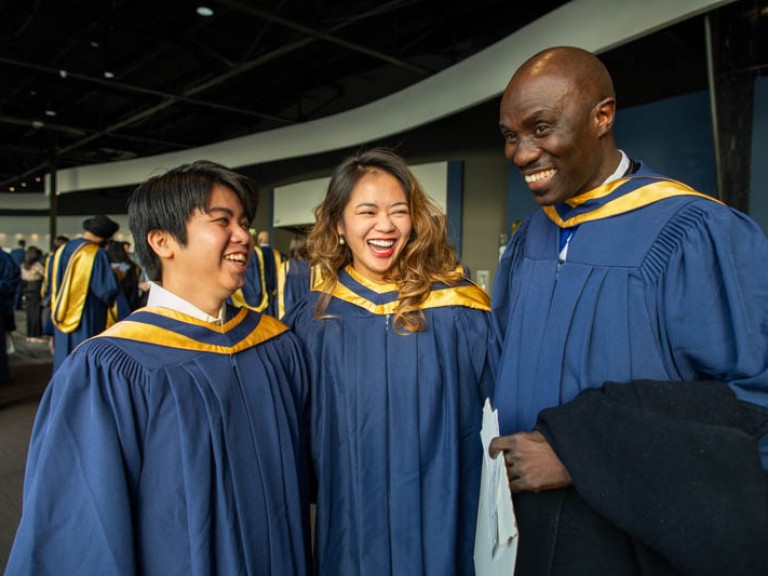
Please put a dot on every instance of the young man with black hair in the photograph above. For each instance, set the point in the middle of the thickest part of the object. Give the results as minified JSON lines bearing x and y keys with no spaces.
{"x":173,"y":442}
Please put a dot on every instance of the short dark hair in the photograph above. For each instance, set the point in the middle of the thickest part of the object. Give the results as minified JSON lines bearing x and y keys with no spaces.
{"x":166,"y":202}
{"x":116,"y":252}
{"x":60,"y":240}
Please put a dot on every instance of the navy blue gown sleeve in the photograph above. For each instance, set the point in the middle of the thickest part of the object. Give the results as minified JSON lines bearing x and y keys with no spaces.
{"x":83,"y":458}
{"x":714,"y":292}
{"x":104,"y":286}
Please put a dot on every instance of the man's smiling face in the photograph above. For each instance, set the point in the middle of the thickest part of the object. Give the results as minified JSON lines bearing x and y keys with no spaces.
{"x":549,"y":130}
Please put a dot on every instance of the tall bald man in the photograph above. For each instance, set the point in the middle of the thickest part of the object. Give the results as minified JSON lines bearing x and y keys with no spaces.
{"x":634,"y":319}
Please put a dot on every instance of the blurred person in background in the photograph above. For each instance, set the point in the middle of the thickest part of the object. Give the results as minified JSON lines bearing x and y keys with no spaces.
{"x":9,"y":280}
{"x":128,"y":275}
{"x":32,"y":274}
{"x":273,"y":261}
{"x":254,"y":293}
{"x":45,"y":290}
{"x":294,"y":277}
{"x":18,"y":254}
{"x":83,"y":287}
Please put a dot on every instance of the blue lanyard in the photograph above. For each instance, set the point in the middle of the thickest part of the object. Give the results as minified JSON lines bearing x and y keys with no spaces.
{"x":565,"y":235}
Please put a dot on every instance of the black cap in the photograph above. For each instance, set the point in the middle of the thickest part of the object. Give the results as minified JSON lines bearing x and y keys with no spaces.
{"x":101,"y":226}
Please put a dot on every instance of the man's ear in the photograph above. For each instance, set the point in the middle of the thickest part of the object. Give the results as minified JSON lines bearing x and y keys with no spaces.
{"x":162,"y":243}
{"x":605,"y":114}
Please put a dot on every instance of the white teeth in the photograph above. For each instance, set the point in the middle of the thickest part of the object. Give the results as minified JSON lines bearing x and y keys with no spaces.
{"x":382,"y":243}
{"x":538,"y":176}
{"x":235,"y":258}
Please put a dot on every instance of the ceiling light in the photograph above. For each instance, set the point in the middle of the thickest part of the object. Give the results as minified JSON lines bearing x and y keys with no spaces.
{"x":204,"y":11}
{"x":63,"y":73}
{"x":108,"y":74}
{"x":23,"y":184}
{"x":50,"y":113}
{"x":11,"y":189}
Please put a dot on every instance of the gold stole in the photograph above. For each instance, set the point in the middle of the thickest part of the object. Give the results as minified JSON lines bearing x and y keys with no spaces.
{"x":657,"y":190}
{"x":138,"y":331}
{"x":469,"y":296}
{"x":68,"y":298}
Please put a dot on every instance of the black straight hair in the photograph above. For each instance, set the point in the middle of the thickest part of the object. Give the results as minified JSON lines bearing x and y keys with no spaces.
{"x":167,"y":201}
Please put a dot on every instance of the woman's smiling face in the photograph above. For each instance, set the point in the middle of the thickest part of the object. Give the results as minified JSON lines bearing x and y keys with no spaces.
{"x":376,"y":224}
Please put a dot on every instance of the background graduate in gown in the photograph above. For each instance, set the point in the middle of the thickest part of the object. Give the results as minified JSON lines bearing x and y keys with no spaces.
{"x":83,"y":287}
{"x":9,"y":281}
{"x":295,"y":276}
{"x":172,"y":443}
{"x":401,"y":353}
{"x":634,"y":375}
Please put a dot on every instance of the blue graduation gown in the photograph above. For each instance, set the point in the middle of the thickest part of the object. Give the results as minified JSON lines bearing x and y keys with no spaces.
{"x":297,"y":282}
{"x":102,"y":292}
{"x":170,"y":446}
{"x":395,"y":422}
{"x":9,"y":280}
{"x":270,"y":268}
{"x":675,"y":290}
{"x":47,"y":329}
{"x":254,"y":291}
{"x":273,"y":261}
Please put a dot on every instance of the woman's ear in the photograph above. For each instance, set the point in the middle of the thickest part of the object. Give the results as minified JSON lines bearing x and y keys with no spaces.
{"x":161,"y":243}
{"x":340,"y":232}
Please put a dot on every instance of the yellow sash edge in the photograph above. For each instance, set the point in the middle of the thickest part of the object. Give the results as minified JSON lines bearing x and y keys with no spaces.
{"x":266,"y":329}
{"x":471,"y":296}
{"x":644,"y":196}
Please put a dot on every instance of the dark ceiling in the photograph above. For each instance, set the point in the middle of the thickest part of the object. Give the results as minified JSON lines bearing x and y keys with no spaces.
{"x":181,"y":80}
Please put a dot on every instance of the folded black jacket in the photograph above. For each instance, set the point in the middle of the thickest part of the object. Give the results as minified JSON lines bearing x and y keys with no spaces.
{"x":667,"y":480}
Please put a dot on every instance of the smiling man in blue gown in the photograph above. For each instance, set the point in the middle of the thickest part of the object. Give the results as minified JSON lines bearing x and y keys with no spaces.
{"x":634,"y":376}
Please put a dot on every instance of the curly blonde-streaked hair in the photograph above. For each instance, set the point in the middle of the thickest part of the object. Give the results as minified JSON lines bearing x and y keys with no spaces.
{"x":426,"y":258}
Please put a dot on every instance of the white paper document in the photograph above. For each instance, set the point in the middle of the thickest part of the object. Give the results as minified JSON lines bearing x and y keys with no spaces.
{"x":496,"y":536}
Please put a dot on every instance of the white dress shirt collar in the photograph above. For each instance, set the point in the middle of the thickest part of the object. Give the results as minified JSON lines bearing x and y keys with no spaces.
{"x":621,"y":169}
{"x":159,"y":296}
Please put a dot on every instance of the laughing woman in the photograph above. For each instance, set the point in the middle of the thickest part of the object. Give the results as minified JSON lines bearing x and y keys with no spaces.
{"x":402,"y":353}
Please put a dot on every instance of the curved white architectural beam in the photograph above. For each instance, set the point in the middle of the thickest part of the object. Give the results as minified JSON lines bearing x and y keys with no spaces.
{"x":596,"y":25}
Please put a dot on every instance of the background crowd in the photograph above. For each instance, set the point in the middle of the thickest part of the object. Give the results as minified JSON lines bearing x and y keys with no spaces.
{"x":275,"y":282}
